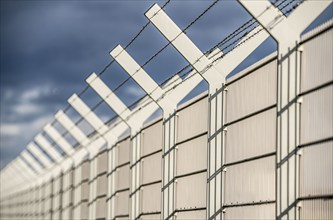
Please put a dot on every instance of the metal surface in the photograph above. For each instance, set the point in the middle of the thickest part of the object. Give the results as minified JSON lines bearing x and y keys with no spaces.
{"x":257,"y":147}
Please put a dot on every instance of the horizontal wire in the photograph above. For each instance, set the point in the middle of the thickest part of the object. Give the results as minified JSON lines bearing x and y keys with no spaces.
{"x":105,"y":68}
{"x":155,"y":55}
{"x":239,"y":30}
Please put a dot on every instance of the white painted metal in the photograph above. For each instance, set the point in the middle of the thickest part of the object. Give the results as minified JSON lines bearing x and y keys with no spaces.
{"x":287,"y":32}
{"x":87,"y":114}
{"x":69,"y":125}
{"x":185,"y":46}
{"x":40,"y":155}
{"x":29,"y":159}
{"x":108,"y":96}
{"x":316,"y":106}
{"x":143,"y":79}
{"x":49,"y":149}
{"x":58,"y":139}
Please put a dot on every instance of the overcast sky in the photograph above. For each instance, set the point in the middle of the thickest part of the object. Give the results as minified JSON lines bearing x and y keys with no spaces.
{"x":48,"y":48}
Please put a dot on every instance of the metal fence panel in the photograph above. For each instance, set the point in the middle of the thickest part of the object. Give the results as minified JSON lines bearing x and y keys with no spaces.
{"x":122,"y":203}
{"x":102,"y":185}
{"x":101,"y":208}
{"x":123,"y":151}
{"x":192,"y":120}
{"x":317,"y":59}
{"x":316,"y":170}
{"x":317,"y":209}
{"x":191,"y":191}
{"x":152,"y":138}
{"x":151,"y":198}
{"x":102,"y":162}
{"x":151,"y":168}
{"x":123,"y":177}
{"x":264,"y":212}
{"x":317,"y":115}
{"x":252,"y":93}
{"x":259,"y":176}
{"x":85,"y":169}
{"x":192,"y":156}
{"x":150,"y":217}
{"x":199,"y":214}
{"x":251,"y":137}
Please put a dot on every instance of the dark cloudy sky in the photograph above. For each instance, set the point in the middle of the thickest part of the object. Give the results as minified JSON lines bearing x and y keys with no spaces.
{"x":48,"y":48}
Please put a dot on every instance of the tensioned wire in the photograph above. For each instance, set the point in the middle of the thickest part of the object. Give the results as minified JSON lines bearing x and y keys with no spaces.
{"x":250,"y":24}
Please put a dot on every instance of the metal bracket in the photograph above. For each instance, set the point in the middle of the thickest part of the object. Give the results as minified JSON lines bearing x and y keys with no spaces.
{"x":286,"y":30}
{"x":58,"y":139}
{"x":185,"y":46}
{"x":87,"y":114}
{"x":40,"y":155}
{"x":69,"y":125}
{"x":50,"y":150}
{"x":32,"y":162}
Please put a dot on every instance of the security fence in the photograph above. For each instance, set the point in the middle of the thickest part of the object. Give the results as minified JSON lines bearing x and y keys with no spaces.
{"x":257,"y":145}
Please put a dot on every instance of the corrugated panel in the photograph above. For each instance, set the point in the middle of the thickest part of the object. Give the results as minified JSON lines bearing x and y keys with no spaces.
{"x":102,"y":162}
{"x":256,"y":212}
{"x":252,"y":93}
{"x":85,"y":170}
{"x":150,"y":217}
{"x":102,"y":185}
{"x":56,"y":215}
{"x":192,"y":120}
{"x":67,"y":180}
{"x":77,"y":195}
{"x":66,"y":214}
{"x":57,"y":185}
{"x":122,"y":202}
{"x":123,"y":177}
{"x":152,"y":138}
{"x":317,"y":209}
{"x":101,"y":208}
{"x":66,"y":198}
{"x":47,"y":204}
{"x":48,"y":189}
{"x":47,"y":216}
{"x":85,"y":191}
{"x":77,"y":175}
{"x":123,"y":151}
{"x":191,"y":191}
{"x":317,"y":115}
{"x":151,"y":168}
{"x":259,"y":176}
{"x":192,"y":156}
{"x":316,"y":171}
{"x":151,"y":198}
{"x":56,"y":202}
{"x":251,"y":137}
{"x":317,"y":66}
{"x":84,"y":210}
{"x":200,"y":214}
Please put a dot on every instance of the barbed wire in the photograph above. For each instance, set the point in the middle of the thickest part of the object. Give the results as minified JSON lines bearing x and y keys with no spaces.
{"x":252,"y":24}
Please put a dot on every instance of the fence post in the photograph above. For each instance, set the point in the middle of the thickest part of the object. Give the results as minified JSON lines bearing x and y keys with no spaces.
{"x":77,"y":157}
{"x":134,"y":120}
{"x":93,"y":149}
{"x":51,"y":151}
{"x":287,"y":32}
{"x":214,"y":72}
{"x":58,"y":139}
{"x":40,"y":155}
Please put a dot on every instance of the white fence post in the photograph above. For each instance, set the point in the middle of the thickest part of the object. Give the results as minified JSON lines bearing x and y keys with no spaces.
{"x":287,"y":32}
